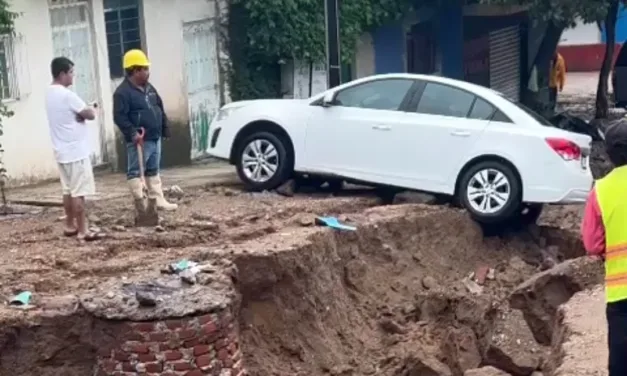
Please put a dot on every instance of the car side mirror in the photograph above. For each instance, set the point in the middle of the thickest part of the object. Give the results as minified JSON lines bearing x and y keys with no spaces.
{"x":328,"y":100}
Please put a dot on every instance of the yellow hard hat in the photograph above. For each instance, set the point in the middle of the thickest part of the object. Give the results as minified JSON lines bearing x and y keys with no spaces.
{"x":135,"y":58}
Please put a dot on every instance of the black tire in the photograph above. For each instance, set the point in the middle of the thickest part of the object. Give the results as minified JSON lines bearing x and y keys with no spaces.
{"x":511,"y":207}
{"x":285,"y":162}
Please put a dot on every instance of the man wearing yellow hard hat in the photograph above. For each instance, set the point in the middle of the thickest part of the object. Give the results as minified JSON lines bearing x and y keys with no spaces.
{"x":138,"y":112}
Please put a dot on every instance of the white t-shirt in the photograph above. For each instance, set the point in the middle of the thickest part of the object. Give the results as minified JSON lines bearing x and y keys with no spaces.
{"x":70,"y":139}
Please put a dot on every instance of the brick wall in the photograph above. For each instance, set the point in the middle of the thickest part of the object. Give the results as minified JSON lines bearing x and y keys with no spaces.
{"x":191,"y":346}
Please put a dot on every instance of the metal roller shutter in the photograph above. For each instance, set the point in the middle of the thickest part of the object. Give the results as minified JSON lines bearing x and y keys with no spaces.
{"x":505,"y":61}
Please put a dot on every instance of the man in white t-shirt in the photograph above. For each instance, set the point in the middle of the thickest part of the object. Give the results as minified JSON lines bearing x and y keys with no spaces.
{"x":67,"y":113}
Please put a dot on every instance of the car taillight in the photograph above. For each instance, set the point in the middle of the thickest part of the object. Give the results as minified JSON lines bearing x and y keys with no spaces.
{"x":566,"y":149}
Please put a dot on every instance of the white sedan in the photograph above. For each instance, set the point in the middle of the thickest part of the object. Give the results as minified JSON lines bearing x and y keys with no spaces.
{"x":418,"y":132}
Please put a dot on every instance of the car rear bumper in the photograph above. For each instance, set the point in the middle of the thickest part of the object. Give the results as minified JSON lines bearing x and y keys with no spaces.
{"x":569,"y":185}
{"x":574,"y":196}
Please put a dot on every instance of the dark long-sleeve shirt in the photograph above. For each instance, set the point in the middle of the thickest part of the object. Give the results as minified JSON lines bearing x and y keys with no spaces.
{"x":135,"y":108}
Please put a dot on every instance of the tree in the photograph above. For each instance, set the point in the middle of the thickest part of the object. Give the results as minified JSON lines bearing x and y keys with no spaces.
{"x":560,"y":14}
{"x":7,"y":18}
{"x":602,"y":103}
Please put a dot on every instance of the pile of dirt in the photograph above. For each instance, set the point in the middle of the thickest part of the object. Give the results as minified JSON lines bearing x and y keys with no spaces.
{"x":415,"y":291}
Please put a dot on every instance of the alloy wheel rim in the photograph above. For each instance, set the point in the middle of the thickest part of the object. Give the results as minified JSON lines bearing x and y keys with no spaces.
{"x":488,"y":191}
{"x":260,"y":160}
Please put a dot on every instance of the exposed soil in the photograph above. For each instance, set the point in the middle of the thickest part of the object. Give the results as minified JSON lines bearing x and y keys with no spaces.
{"x":416,"y":290}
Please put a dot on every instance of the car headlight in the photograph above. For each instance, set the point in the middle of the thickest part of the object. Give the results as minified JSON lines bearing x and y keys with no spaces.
{"x":226,"y":112}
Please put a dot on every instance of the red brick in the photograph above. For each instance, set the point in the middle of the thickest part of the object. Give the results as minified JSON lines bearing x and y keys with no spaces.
{"x":195,"y":372}
{"x":139,"y":348}
{"x":201,"y":349}
{"x":191,"y":343}
{"x":128,"y":367}
{"x":223,"y":355}
{"x":154,"y":367}
{"x":186,"y":333}
{"x":209,"y":328}
{"x":121,"y":356}
{"x":181,"y":366}
{"x":144,"y":326}
{"x":139,"y":337}
{"x":203,"y":361}
{"x":168,"y":374}
{"x":221,"y":343}
{"x":175,"y":324}
{"x":158,"y":337}
{"x":205,"y":319}
{"x":147,"y":358}
{"x":173,"y":355}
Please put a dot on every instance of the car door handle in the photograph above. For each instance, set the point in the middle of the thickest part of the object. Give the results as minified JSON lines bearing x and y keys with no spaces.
{"x":460,"y":133}
{"x":381,"y":127}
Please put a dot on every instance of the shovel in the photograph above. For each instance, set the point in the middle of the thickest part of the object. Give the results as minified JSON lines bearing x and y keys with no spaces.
{"x":146,"y":215}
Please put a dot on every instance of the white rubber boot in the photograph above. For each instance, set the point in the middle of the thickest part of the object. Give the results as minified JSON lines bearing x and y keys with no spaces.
{"x":156,"y":191}
{"x":137,"y":190}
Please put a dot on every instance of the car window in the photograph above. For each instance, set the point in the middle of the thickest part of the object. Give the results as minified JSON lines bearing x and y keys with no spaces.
{"x":375,"y":95}
{"x":621,"y":60}
{"x":500,"y":117}
{"x":445,"y":100}
{"x":481,"y":110}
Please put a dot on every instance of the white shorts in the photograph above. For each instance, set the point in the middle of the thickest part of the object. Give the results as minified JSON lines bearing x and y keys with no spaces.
{"x":77,"y":178}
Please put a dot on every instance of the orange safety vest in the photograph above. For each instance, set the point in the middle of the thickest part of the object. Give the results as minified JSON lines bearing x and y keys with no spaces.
{"x":611,"y":194}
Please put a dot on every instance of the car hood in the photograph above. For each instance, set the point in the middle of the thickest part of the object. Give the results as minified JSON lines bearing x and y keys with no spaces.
{"x":263,"y":102}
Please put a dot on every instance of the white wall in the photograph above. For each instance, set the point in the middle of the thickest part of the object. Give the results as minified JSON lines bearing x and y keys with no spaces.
{"x":28,"y":150}
{"x":163,"y":21}
{"x":581,"y":34}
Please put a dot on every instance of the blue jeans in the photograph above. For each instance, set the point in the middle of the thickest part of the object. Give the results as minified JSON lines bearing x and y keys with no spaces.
{"x":152,"y":159}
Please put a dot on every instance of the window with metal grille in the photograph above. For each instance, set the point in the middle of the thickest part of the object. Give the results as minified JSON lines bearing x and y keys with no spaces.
{"x":123,"y":31}
{"x":8,"y":73}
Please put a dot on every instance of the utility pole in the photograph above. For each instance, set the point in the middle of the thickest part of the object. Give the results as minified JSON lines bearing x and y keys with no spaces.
{"x":332,"y":20}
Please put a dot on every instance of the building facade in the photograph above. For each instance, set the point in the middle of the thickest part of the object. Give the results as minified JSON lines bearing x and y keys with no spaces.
{"x":180,"y":38}
{"x":483,"y":44}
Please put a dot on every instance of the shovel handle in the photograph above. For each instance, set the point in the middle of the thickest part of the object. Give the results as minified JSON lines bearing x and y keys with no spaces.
{"x":140,"y":160}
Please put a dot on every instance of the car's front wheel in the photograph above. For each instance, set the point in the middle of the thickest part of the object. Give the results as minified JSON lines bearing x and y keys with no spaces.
{"x":263,"y":162}
{"x":491,"y":192}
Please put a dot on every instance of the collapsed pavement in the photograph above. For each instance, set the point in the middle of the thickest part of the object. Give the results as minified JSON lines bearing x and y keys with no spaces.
{"x":400,"y":296}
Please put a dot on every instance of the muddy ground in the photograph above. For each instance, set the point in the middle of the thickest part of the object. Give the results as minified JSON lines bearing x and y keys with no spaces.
{"x":417,"y":290}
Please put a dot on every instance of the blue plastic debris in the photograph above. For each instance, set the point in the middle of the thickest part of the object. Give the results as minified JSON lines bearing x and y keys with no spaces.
{"x":333,"y":223}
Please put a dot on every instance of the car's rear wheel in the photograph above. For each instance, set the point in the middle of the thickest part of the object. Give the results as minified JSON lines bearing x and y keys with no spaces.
{"x":263,"y":162}
{"x":491,"y":192}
